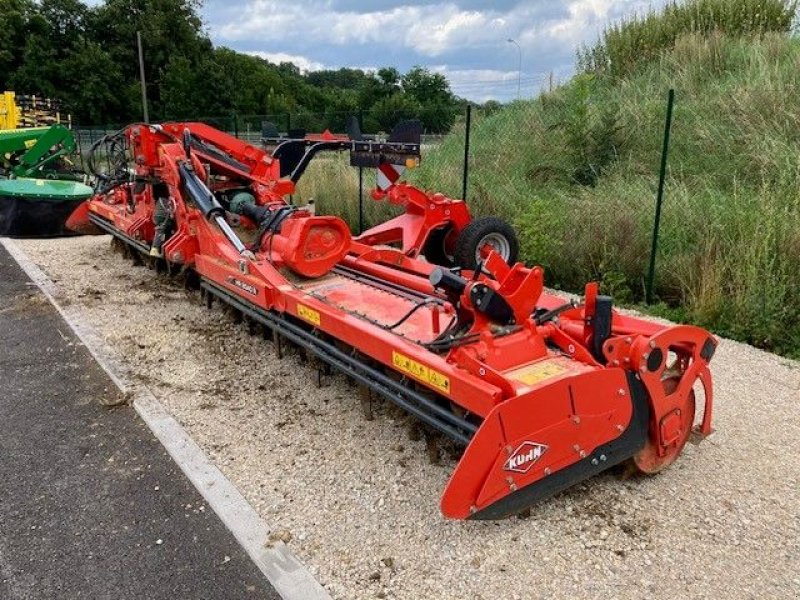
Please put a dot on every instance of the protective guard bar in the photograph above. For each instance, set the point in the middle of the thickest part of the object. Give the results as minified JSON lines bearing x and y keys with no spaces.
{"x":295,"y":154}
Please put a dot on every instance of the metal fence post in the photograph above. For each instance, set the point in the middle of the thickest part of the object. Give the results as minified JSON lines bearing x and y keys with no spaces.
{"x":467,"y":127}
{"x":660,"y":198}
{"x":361,"y":181}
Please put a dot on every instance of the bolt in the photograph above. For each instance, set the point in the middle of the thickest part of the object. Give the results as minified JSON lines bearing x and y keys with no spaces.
{"x":594,"y":462}
{"x":582,"y":454}
{"x":621,"y":392}
{"x":603,"y":458}
{"x":481,"y":371}
{"x":615,"y":363}
{"x":510,"y":480}
{"x":576,"y":419}
{"x":512,"y":487}
{"x":571,"y":349}
{"x":547,"y":471}
{"x":473,"y":509}
{"x":652,"y":344}
{"x":576,"y":448}
{"x":620,"y":428}
{"x":509,"y":450}
{"x":628,"y":340}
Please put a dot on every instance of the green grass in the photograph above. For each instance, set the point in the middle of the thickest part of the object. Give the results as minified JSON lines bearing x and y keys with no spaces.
{"x":627,"y":44}
{"x":332,"y":184}
{"x":576,"y":170}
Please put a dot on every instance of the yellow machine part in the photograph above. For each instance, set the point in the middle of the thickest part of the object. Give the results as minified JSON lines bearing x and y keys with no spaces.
{"x":9,"y":113}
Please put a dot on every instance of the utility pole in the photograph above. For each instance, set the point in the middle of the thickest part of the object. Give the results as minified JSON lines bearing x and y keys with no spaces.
{"x":519,"y":68}
{"x":141,"y":76}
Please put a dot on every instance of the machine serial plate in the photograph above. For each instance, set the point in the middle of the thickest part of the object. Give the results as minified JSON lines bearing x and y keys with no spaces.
{"x":309,"y":314}
{"x":421,"y":372}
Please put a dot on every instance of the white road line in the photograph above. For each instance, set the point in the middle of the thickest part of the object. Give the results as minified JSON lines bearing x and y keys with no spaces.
{"x":283,"y":570}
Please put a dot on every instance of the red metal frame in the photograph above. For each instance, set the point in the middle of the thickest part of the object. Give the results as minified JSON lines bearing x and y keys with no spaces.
{"x":541,"y":401}
{"x":424,"y":214}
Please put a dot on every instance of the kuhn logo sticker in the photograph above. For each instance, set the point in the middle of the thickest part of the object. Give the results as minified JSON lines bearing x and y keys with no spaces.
{"x":250,"y":289}
{"x":524,"y":457}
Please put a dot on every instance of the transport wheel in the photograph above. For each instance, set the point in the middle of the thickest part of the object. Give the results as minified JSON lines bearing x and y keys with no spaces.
{"x":485,"y":231}
{"x":647,"y":460}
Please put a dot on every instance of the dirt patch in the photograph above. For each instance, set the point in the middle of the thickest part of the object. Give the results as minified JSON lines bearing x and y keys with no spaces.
{"x":32,"y":303}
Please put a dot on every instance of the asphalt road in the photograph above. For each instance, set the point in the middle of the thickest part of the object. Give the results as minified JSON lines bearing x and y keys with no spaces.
{"x":91,"y":506}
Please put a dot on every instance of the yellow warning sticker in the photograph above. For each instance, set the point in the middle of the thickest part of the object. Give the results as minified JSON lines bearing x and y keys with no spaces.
{"x":30,"y":144}
{"x":309,"y":314}
{"x":539,"y":372}
{"x":421,"y":372}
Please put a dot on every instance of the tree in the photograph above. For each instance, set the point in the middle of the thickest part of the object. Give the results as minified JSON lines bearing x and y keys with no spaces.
{"x":254,"y":84}
{"x":490,"y":106}
{"x":192,"y":89}
{"x":38,"y":69}
{"x":390,"y":78}
{"x":427,"y":87}
{"x":432,"y":92}
{"x":14,"y":28}
{"x":169,"y":28}
{"x":437,"y":117}
{"x":398,"y":107}
{"x":87,"y":57}
{"x":97,"y":84}
{"x":66,"y":20}
{"x":344,"y":78}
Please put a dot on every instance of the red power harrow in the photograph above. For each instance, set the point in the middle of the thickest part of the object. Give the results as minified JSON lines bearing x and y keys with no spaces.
{"x":541,"y":393}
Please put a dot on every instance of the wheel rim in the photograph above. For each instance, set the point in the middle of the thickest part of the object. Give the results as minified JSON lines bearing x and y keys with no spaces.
{"x":498,"y":242}
{"x":649,"y":460}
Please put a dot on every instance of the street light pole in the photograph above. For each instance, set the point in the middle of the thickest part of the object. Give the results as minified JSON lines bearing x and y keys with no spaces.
{"x":141,"y":75}
{"x":519,"y":69}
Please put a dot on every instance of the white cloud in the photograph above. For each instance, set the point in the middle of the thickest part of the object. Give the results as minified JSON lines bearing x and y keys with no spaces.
{"x":430,"y":30}
{"x":470,"y":38}
{"x":481,"y":85}
{"x":301,"y":62}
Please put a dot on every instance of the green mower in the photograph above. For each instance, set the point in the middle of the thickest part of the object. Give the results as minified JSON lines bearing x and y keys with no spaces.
{"x":39,"y":188}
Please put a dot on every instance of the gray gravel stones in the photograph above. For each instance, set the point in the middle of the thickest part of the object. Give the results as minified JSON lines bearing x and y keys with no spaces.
{"x":357,"y":501}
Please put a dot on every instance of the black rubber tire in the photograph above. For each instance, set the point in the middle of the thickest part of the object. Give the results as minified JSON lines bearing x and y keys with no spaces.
{"x":469,"y":238}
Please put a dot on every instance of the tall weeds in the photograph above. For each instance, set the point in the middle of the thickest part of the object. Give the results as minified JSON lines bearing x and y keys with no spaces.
{"x":627,"y":44}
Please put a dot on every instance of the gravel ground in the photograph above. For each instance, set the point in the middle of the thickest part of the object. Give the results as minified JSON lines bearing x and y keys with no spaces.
{"x":357,"y":500}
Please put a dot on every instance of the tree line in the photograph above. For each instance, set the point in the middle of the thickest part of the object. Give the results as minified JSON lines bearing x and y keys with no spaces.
{"x":87,"y":58}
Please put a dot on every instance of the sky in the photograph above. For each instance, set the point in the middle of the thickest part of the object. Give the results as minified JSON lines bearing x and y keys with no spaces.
{"x":466,"y":40}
